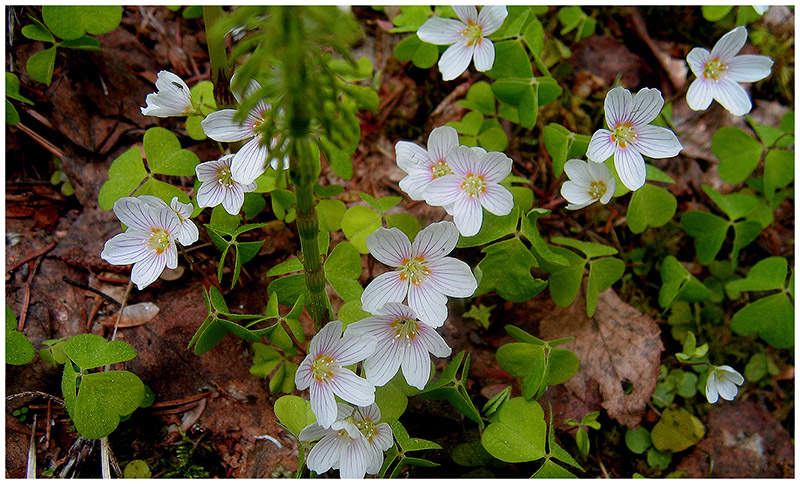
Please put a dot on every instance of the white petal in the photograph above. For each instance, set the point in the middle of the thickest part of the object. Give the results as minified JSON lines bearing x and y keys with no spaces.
{"x":646,"y":106}
{"x":440,"y":31}
{"x":611,"y":187}
{"x":250,"y":161}
{"x":617,"y":106}
{"x":135,"y":213}
{"x":656,"y":142}
{"x":484,"y":55}
{"x":440,"y":142}
{"x":183,"y":209}
{"x":463,"y":160}
{"x":700,"y":94}
{"x":697,"y":60}
{"x":630,"y":168}
{"x":466,"y":13}
{"x":322,"y":403}
{"x":576,"y":194}
{"x":416,"y":365}
{"x":468,"y":215}
{"x":389,"y":246}
{"x":382,"y":366}
{"x":354,"y":459}
{"x":370,"y":412}
{"x":732,"y":375}
{"x":491,"y":18}
{"x":221,"y":126}
{"x":601,"y":147}
{"x":313,"y":432}
{"x":383,"y":438}
{"x":579,"y":172}
{"x":326,"y":340}
{"x":397,"y":310}
{"x":730,"y":44}
{"x":274,"y":162}
{"x":350,"y":349}
{"x":126,"y":248}
{"x":387,"y":287}
{"x":172,"y":99}
{"x":325,"y":454}
{"x":410,"y":155}
{"x":171,"y":255}
{"x":210,"y":194}
{"x":209,"y":170}
{"x":233,"y":199}
{"x":452,"y":277}
{"x":497,"y":199}
{"x":303,"y":376}
{"x":429,"y":304}
{"x":444,"y":191}
{"x":727,"y":389}
{"x":350,"y":388}
{"x":147,"y":270}
{"x":749,"y":68}
{"x":455,"y":60}
{"x":711,"y":388}
{"x":733,"y":97}
{"x":416,"y":183}
{"x":435,"y":241}
{"x":494,"y":166}
{"x":434,"y":342}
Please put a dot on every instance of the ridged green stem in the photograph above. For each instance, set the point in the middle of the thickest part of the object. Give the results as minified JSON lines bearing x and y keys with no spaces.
{"x":217,"y":55}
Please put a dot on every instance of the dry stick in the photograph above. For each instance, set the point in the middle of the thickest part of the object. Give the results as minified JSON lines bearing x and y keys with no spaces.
{"x":27,"y":298}
{"x":35,"y":394}
{"x":90,"y":289}
{"x":25,"y":259}
{"x":119,"y":314}
{"x":30,"y":473}
{"x":39,"y":139}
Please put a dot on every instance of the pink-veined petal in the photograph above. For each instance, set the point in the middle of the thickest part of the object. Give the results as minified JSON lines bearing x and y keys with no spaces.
{"x":601,"y":147}
{"x":433,"y":341}
{"x":351,"y":388}
{"x":303,"y":376}
{"x":210,"y":194}
{"x":749,"y":68}
{"x":182,"y":209}
{"x":325,"y":454}
{"x":378,"y":327}
{"x":463,"y":160}
{"x":383,"y":437}
{"x":440,"y":31}
{"x":578,"y":171}
{"x":416,"y":183}
{"x":700,"y":94}
{"x":387,"y":287}
{"x":711,"y":388}
{"x":497,"y":199}
{"x":389,"y":246}
{"x":656,"y":142}
{"x":416,"y":364}
{"x":135,"y":213}
{"x":455,"y":60}
{"x":326,"y":340}
{"x":370,"y":412}
{"x":435,"y":241}
{"x":484,"y":55}
{"x":351,"y":349}
{"x":730,"y":44}
{"x":209,"y":170}
{"x":697,"y":60}
{"x":491,"y":18}
{"x":233,"y":199}
{"x":451,"y":277}
{"x":397,"y":310}
{"x":576,"y":194}
{"x":732,"y":96}
{"x":410,"y":155}
{"x":440,"y":142}
{"x":250,"y":161}
{"x":147,"y":270}
{"x":617,"y":106}
{"x":313,"y":432}
{"x":126,"y":248}
{"x":354,"y":459}
{"x":171,"y":255}
{"x":646,"y":106}
{"x":468,"y":215}
{"x":611,"y":187}
{"x":494,"y":166}
{"x":221,"y":126}
{"x":444,"y":191}
{"x":630,"y":168}
{"x":466,"y":13}
{"x":429,"y":304}
{"x":322,"y":403}
{"x":382,"y":366}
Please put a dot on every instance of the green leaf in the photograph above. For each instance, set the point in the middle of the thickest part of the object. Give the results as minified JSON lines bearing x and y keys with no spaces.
{"x":82,"y":43}
{"x":380,"y":204}
{"x":289,"y":288}
{"x":480,"y":98}
{"x":637,"y":440}
{"x":479,"y":313}
{"x":41,"y":64}
{"x":412,"y":16}
{"x":91,"y":351}
{"x":470,"y":124}
{"x":766,"y":275}
{"x":493,"y":228}
{"x":265,"y":359}
{"x":339,"y":161}
{"x":650,"y":206}
{"x":203,"y":95}
{"x":162,"y":190}
{"x":103,"y":398}
{"x":778,"y":171}
{"x":471,"y":454}
{"x":677,"y":430}
{"x":421,"y":54}
{"x":659,"y":460}
{"x":713,"y":13}
{"x":137,"y":469}
{"x":551,"y":470}
{"x":330,"y":213}
{"x":590,"y":249}
{"x":735,"y":205}
{"x":538,"y":246}
{"x":656,"y":175}
{"x":510,"y":60}
{"x":342,"y":269}
{"x":37,"y":31}
{"x":518,"y":433}
{"x":357,"y":223}
{"x":743,"y":234}
{"x":506,"y":270}
{"x":678,"y":283}
{"x":71,"y":22}
{"x":165,"y":156}
{"x":494,"y":137}
{"x":708,"y":231}
{"x":738,"y":153}
{"x":254,"y":204}
{"x":772,"y":317}
{"x":12,"y":89}
{"x":351,"y":311}
{"x":563,"y":144}
{"x":603,"y":273}
{"x":406,"y":222}
{"x":294,"y":412}
{"x":534,"y":37}
{"x":391,"y":400}
{"x":19,"y":351}
{"x":564,"y":281}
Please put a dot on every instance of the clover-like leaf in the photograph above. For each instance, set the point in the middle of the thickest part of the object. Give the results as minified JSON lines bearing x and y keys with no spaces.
{"x":342,"y":269}
{"x":650,"y":206}
{"x":357,"y":223}
{"x":738,"y":153}
{"x":164,"y":153}
{"x":506,"y":269}
{"x":73,"y":21}
{"x":677,"y":430}
{"x":92,"y":351}
{"x":102,"y":399}
{"x":518,"y":432}
{"x":294,"y":412}
{"x":19,"y":351}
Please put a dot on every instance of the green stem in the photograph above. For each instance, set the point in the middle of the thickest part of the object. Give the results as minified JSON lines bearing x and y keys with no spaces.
{"x":540,"y":64}
{"x":217,"y":54}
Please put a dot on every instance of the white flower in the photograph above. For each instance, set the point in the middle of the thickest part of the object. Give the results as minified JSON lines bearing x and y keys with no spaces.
{"x":720,"y":71}
{"x":423,"y":272}
{"x":323,"y":369}
{"x":402,"y":340}
{"x":354,"y":443}
{"x":468,"y":36}
{"x":188,"y":233}
{"x":630,"y":135}
{"x":761,"y":9}
{"x":250,"y":161}
{"x":474,"y":183}
{"x":172,"y":99}
{"x":588,"y":183}
{"x":149,"y":241}
{"x":425,"y":166}
{"x":219,"y":186}
{"x":722,"y":382}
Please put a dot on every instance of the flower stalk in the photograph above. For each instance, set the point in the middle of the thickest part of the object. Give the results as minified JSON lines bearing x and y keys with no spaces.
{"x":220,"y":72}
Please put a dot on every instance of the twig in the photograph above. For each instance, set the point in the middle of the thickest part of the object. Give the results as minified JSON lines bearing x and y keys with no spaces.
{"x":49,"y":418}
{"x":30,"y":473}
{"x":181,"y":401}
{"x":35,"y":394}
{"x":25,"y":259}
{"x":121,"y":309}
{"x":27,"y":291}
{"x":90,"y":289}
{"x":603,"y":469}
{"x":105,"y":468}
{"x":39,"y":139}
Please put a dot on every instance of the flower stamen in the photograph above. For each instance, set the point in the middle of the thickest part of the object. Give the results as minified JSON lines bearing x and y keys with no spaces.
{"x":159,"y":240}
{"x":406,"y":329}
{"x":622,"y":134}
{"x":474,"y":185}
{"x":440,"y":169}
{"x":414,"y":270}
{"x":713,"y":69}
{"x":322,"y":368}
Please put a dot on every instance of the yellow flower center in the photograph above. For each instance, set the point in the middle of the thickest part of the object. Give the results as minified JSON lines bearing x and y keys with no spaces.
{"x":405,"y":329}
{"x":622,"y":134}
{"x":414,"y":270}
{"x":367,"y":427}
{"x":714,"y":69}
{"x":473,"y":33}
{"x":597,"y":189}
{"x":474,"y":185}
{"x":225,"y":177}
{"x":159,"y":240}
{"x":322,"y":368}
{"x":440,"y":169}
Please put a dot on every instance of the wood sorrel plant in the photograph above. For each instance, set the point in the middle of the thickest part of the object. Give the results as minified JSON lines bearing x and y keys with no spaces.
{"x":293,"y":98}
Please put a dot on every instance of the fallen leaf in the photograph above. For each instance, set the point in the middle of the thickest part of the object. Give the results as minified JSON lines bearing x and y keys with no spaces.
{"x":134,"y":315}
{"x":619,"y":350}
